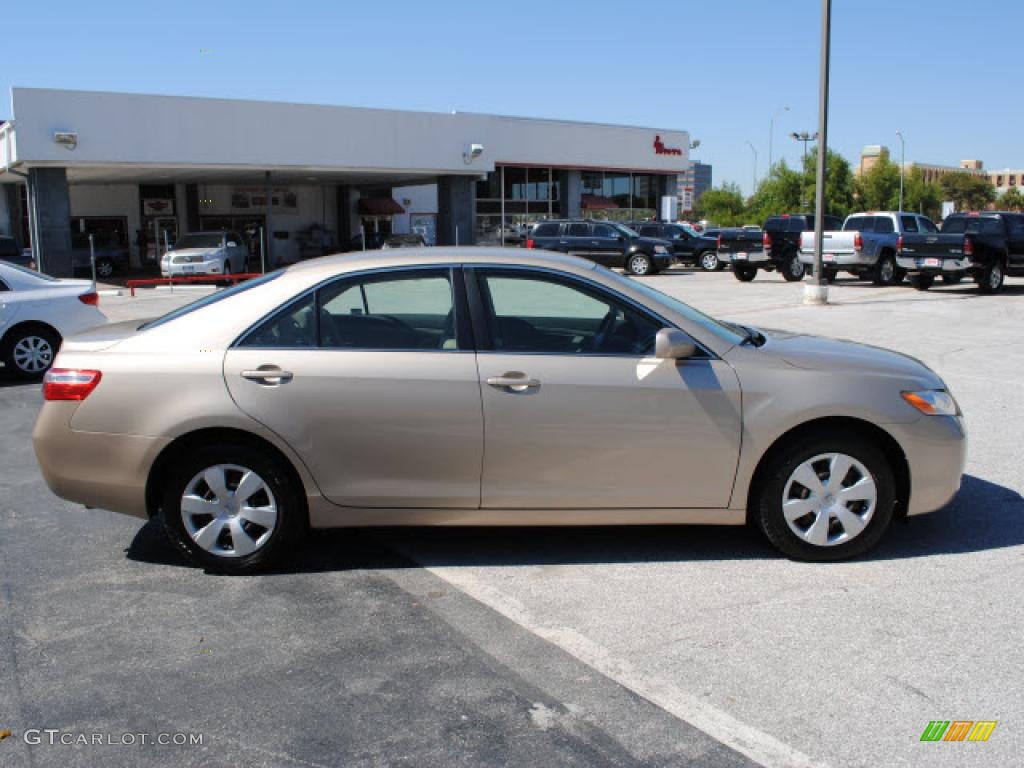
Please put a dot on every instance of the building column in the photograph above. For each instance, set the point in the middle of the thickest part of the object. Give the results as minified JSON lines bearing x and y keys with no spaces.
{"x":7,"y":211}
{"x":456,"y":210}
{"x":570,"y":184}
{"x":48,"y":197}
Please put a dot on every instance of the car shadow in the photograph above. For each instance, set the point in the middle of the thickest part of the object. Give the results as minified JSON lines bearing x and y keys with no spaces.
{"x":984,"y":516}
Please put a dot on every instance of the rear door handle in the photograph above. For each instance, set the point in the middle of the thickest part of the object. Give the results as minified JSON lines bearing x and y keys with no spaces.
{"x":514,"y":380}
{"x":268,"y":375}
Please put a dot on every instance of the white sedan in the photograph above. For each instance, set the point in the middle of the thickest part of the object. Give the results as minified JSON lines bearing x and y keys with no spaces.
{"x":206,"y":253}
{"x":36,"y":313}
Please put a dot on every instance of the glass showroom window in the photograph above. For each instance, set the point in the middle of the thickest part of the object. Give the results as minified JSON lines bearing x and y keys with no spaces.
{"x":511,"y":200}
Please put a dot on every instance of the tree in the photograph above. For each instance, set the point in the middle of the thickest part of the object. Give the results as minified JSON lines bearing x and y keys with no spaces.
{"x":1011,"y":200}
{"x":924,"y":197}
{"x":839,"y":183}
{"x":777,"y":193}
{"x":969,"y":192}
{"x":878,"y":188}
{"x":723,"y":205}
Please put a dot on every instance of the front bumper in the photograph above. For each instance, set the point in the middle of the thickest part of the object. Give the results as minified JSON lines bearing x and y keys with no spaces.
{"x":744,"y":257}
{"x":191,"y":269}
{"x":936,"y":451}
{"x":934,"y":265}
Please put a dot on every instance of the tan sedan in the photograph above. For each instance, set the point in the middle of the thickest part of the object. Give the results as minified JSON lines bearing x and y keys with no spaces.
{"x":486,"y":387}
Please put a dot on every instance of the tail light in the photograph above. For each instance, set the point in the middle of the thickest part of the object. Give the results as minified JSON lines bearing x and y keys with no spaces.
{"x":858,"y":241}
{"x":69,"y":383}
{"x":530,"y":243}
{"x":968,"y":247}
{"x":718,"y":243}
{"x":92,"y":298}
{"x":899,"y":244}
{"x":766,"y":239}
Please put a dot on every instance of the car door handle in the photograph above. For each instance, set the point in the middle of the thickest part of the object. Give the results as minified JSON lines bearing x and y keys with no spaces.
{"x":514,"y":380}
{"x":268,"y":375}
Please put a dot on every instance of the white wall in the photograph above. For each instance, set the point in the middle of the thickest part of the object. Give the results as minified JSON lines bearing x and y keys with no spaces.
{"x":419,"y":199}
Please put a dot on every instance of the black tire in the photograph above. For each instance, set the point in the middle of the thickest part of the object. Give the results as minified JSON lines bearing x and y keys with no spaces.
{"x":952,"y":278}
{"x":709,"y":261}
{"x":105,"y":267}
{"x":830,"y":275}
{"x":226,"y":272}
{"x":886,"y":272}
{"x":792,"y":269}
{"x":768,"y":494}
{"x":744,"y":272}
{"x":639,"y":264}
{"x":290,"y":524}
{"x":922,"y":282}
{"x":991,"y":278}
{"x":28,"y":352}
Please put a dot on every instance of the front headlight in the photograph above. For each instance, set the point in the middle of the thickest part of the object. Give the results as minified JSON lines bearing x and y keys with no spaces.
{"x":933,"y":402}
{"x":660,"y":249}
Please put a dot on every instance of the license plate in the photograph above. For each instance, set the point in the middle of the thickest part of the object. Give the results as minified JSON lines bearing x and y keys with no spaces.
{"x":741,"y":255}
{"x":828,"y":257}
{"x":931,"y":262}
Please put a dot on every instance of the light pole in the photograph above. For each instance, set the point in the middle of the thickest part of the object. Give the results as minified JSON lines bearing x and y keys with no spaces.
{"x":771,"y":136}
{"x":754,"y":150}
{"x":902,"y":165}
{"x":816,"y":292}
{"x":806,"y":138}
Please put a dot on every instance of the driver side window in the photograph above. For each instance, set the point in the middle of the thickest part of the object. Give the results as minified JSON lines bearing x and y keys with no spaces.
{"x":537,"y":314}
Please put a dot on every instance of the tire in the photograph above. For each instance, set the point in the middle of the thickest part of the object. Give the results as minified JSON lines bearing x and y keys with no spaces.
{"x":104,"y":267}
{"x":226,"y":272}
{"x":639,"y":264}
{"x":793,"y":269}
{"x":922,"y":282}
{"x":28,"y":352}
{"x":744,"y":272}
{"x":833,"y":529}
{"x":265,"y":534}
{"x":830,"y":275}
{"x":886,"y":272}
{"x":952,"y":278}
{"x":991,"y":278}
{"x":709,"y":261}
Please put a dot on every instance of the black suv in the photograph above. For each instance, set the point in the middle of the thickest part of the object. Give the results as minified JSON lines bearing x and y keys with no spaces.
{"x":606,"y":242}
{"x":688,"y":245}
{"x":782,"y":241}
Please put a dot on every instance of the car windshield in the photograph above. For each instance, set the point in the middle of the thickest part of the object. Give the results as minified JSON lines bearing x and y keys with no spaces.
{"x":30,"y":272}
{"x":689,"y":230}
{"x":209,"y":299}
{"x":972,"y":225}
{"x":727,"y":331}
{"x":625,"y":230}
{"x":199,"y":240}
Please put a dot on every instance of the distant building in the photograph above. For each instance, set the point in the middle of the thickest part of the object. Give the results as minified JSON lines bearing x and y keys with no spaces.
{"x":692,"y":184}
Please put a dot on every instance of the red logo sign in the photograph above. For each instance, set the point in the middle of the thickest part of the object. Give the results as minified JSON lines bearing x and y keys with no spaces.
{"x":661,"y":149}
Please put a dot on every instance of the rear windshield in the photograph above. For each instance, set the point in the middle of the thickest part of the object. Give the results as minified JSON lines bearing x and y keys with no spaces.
{"x":548,"y":229}
{"x":859,"y":224}
{"x":209,"y":299}
{"x":972,"y":225}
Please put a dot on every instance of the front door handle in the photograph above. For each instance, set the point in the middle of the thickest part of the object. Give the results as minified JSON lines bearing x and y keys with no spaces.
{"x":267,"y":374}
{"x":514,"y":380}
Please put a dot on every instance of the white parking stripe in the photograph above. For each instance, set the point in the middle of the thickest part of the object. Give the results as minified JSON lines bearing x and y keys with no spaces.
{"x":719,"y":725}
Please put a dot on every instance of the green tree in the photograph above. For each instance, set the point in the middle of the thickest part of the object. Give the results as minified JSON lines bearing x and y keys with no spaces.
{"x":969,"y":192}
{"x":924,"y":197}
{"x":777,"y":193}
{"x":839,"y":183}
{"x":1011,"y":200}
{"x":878,"y":188}
{"x":723,"y":205}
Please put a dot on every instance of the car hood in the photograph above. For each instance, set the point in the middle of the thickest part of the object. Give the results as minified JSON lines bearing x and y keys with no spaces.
{"x":823,"y":354}
{"x":101,"y":337}
{"x":195,"y":251}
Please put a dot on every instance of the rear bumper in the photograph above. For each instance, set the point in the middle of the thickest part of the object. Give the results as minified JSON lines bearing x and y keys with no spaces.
{"x":917,"y":265}
{"x":748,"y":257}
{"x":936,"y":452}
{"x":93,"y":468}
{"x":841,"y":260}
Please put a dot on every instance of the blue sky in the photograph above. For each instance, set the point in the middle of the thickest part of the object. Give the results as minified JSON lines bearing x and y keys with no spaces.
{"x":944,"y":73}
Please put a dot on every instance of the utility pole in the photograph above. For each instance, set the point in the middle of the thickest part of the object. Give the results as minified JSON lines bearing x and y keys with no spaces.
{"x":754,"y":150}
{"x":771,"y":137}
{"x":816,"y":292}
{"x":902,"y":165}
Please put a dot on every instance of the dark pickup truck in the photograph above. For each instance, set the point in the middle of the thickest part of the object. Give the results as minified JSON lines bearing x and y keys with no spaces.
{"x":987,"y":246}
{"x":779,"y":249}
{"x":688,"y":245}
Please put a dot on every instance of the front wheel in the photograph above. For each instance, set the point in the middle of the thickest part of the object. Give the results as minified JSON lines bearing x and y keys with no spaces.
{"x":104,"y":267}
{"x":793,"y":269}
{"x":990,"y":280}
{"x":710,"y":262}
{"x":825,"y":498}
{"x":640,"y":264}
{"x":28,"y":352}
{"x":744,"y":272}
{"x":231,"y":509}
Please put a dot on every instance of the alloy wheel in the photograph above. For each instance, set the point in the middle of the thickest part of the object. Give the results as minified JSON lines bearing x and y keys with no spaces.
{"x":796,"y":267}
{"x":229,"y":510}
{"x":887,"y":271}
{"x":995,"y":277}
{"x":33,"y":354}
{"x":709,"y":261}
{"x":104,"y":268}
{"x":639,"y":265}
{"x":829,"y":499}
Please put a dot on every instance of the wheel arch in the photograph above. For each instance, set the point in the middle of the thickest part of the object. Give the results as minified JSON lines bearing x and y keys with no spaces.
{"x":26,"y":324}
{"x":183,"y":444}
{"x":846,"y":425}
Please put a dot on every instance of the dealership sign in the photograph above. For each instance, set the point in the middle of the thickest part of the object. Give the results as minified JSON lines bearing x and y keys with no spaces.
{"x":158,"y":206}
{"x":661,"y":149}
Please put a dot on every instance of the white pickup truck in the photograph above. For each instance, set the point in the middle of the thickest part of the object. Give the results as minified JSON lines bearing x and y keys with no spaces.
{"x":866,"y":246}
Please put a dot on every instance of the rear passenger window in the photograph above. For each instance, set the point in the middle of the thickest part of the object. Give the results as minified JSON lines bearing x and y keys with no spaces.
{"x":927,"y":225}
{"x":294,"y":327}
{"x":858,"y":224}
{"x":579,"y":230}
{"x":546,"y":229}
{"x":884,"y":225}
{"x":909,"y":223}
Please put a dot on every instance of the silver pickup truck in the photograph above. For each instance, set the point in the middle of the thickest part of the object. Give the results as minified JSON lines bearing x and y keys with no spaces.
{"x":867,"y":245}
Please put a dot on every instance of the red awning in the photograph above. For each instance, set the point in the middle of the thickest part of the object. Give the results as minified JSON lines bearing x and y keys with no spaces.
{"x":597,"y":203}
{"x":379,"y":206}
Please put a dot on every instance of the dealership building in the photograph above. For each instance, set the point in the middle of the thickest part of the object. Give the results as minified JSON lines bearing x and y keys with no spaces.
{"x":300,"y":180}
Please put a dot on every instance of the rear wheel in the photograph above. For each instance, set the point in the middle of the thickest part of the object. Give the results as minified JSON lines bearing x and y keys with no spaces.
{"x":231,"y":509}
{"x":826,"y":497}
{"x":744,"y":272}
{"x":104,"y":267}
{"x":886,"y":272}
{"x":922,"y":282}
{"x":990,"y":279}
{"x":640,"y":264}
{"x":28,"y":352}
{"x":793,"y":269}
{"x":709,"y":261}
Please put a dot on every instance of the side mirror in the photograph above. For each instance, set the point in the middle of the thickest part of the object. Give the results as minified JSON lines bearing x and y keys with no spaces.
{"x":232,"y":244}
{"x":672,"y":344}
{"x":620,"y":238}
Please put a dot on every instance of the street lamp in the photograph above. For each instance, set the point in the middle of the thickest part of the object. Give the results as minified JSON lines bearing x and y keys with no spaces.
{"x":816,"y":292}
{"x":902,"y":165}
{"x":806,"y":138}
{"x":771,"y":135}
{"x":754,"y":150}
